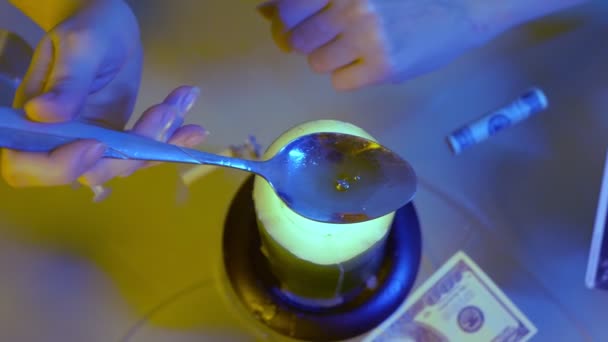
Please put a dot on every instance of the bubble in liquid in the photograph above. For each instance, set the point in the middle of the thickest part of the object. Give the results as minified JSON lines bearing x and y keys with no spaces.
{"x":344,"y":182}
{"x":342,"y":185}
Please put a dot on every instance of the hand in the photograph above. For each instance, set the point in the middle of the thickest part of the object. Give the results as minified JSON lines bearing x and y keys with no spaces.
{"x":367,"y":42}
{"x":82,"y":160}
{"x":87,"y":67}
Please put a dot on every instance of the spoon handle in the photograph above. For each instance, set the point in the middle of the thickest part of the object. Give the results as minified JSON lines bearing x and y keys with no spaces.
{"x":19,"y":133}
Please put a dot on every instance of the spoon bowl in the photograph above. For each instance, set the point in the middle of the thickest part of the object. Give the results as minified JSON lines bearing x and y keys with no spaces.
{"x":340,"y":178}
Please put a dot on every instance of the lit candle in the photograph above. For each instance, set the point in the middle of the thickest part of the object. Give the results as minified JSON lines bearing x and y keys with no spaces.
{"x":317,"y":264}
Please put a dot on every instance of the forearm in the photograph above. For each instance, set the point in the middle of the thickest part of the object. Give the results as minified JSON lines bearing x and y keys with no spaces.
{"x":48,"y":13}
{"x":492,"y":17}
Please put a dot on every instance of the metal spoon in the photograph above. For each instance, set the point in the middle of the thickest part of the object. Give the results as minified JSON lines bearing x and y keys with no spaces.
{"x":326,"y":177}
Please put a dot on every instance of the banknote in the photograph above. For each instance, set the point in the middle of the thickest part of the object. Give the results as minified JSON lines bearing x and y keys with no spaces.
{"x":531,"y":102}
{"x":457,"y":303}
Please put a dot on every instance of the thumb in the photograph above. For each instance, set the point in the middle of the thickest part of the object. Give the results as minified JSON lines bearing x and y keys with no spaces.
{"x":68,"y":83}
{"x":38,"y":70}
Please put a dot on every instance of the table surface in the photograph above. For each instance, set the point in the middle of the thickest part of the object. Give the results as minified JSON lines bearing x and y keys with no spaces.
{"x":145,"y":265}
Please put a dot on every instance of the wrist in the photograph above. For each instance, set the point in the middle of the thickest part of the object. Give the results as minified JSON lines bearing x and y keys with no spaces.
{"x":490,"y":18}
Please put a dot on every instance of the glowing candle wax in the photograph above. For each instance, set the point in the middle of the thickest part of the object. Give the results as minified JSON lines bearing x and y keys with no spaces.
{"x":317,"y":263}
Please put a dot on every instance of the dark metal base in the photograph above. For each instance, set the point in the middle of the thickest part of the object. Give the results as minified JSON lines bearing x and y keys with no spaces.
{"x":255,"y":285}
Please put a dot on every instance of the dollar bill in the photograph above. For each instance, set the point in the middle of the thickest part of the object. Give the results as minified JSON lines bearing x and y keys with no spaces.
{"x":526,"y":105}
{"x":457,"y":303}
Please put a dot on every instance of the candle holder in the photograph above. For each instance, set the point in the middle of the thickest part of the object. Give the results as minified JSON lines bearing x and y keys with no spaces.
{"x":253,"y":282}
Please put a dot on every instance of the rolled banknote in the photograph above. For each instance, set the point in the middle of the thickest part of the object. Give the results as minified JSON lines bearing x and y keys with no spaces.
{"x":457,"y":303}
{"x":529,"y":103}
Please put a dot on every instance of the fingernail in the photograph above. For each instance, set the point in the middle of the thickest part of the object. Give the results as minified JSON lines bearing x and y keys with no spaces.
{"x":168,"y":119}
{"x":92,"y":154}
{"x":194,"y":140}
{"x":189,"y":100}
{"x":167,"y":122}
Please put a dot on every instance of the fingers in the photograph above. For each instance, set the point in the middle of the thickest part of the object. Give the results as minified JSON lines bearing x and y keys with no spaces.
{"x":186,"y":136}
{"x":72,"y":70}
{"x":39,"y":68}
{"x":293,"y":12}
{"x":189,"y":136}
{"x":343,"y":38}
{"x":351,"y":77}
{"x":82,"y":160}
{"x":287,"y":14}
{"x":152,"y":124}
{"x":355,"y":59}
{"x":62,"y":166}
{"x":332,"y":56}
{"x":183,"y":98}
{"x":316,"y":31}
{"x":160,"y":122}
